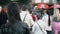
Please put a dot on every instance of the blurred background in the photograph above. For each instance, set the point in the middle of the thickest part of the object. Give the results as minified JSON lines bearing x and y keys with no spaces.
{"x":36,"y":5}
{"x":34,"y":2}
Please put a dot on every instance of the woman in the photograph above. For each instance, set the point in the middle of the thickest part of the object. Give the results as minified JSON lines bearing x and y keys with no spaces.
{"x":48,"y":20}
{"x":14,"y":25}
{"x":33,"y":16}
{"x":3,"y":16}
{"x":39,"y":27}
{"x":26,"y":17}
{"x":56,"y":22}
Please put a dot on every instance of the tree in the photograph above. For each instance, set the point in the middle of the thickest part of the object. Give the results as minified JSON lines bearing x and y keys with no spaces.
{"x":4,"y":2}
{"x":24,"y":1}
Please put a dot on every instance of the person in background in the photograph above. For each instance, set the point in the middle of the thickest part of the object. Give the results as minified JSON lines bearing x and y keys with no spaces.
{"x":14,"y":25}
{"x":45,"y":17}
{"x":3,"y":16}
{"x":48,"y":20}
{"x":35,"y":8}
{"x":39,"y":27}
{"x":26,"y":17}
{"x":33,"y":16}
{"x":56,"y":22}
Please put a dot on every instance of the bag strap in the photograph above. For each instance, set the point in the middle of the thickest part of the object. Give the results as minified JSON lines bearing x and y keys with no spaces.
{"x":40,"y":28}
{"x":24,"y":17}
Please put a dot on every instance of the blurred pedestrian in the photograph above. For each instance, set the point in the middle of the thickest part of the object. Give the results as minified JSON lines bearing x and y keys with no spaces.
{"x":33,"y":16}
{"x":50,"y":20}
{"x":3,"y":16}
{"x":47,"y":19}
{"x":39,"y":27}
{"x":26,"y":17}
{"x":14,"y":25}
{"x":56,"y":22}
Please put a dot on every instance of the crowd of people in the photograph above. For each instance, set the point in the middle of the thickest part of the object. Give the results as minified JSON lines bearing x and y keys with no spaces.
{"x":16,"y":20}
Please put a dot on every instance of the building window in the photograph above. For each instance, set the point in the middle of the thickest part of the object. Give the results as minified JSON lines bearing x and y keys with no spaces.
{"x":37,"y":1}
{"x":46,"y":1}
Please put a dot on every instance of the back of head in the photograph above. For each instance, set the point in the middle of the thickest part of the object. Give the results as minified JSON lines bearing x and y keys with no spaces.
{"x":39,"y":16}
{"x":24,"y":8}
{"x":13,"y":11}
{"x":50,"y":12}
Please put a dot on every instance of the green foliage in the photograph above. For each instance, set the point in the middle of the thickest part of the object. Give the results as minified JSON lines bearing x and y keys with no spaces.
{"x":20,"y":2}
{"x":4,"y":2}
{"x":23,"y":1}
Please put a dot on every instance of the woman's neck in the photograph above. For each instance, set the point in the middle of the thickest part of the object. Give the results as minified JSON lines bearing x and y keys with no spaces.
{"x":45,"y":13}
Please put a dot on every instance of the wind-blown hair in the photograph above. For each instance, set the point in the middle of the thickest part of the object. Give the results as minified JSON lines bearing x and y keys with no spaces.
{"x":13,"y":12}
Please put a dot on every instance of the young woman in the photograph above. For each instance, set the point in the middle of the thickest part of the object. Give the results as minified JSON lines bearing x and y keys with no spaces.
{"x":39,"y":27}
{"x":26,"y":17}
{"x":56,"y":22}
{"x":3,"y":16}
{"x":48,"y":21}
{"x":14,"y":25}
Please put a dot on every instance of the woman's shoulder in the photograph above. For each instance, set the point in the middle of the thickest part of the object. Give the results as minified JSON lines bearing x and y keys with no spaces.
{"x":14,"y":28}
{"x":5,"y":25}
{"x":5,"y":28}
{"x":22,"y":24}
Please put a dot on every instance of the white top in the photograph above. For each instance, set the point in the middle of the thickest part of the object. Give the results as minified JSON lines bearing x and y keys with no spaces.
{"x":45,"y":19}
{"x":28,"y":18}
{"x":36,"y":29}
